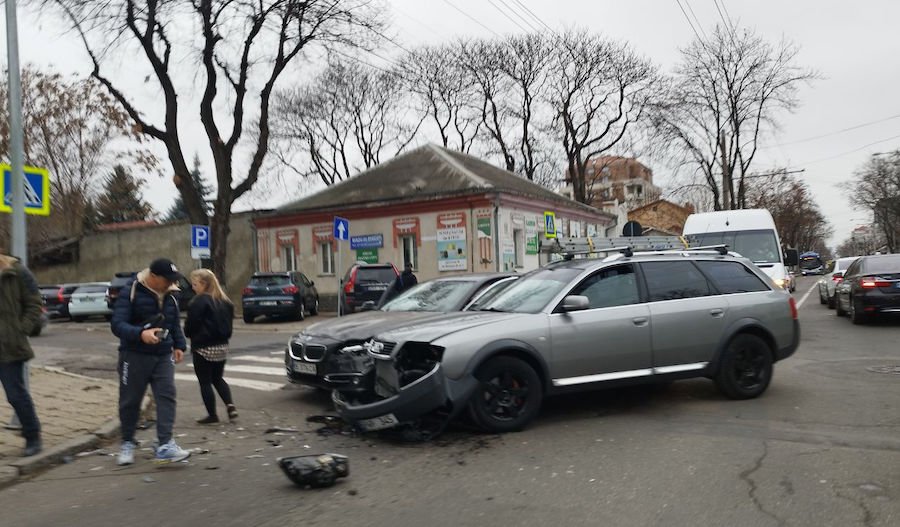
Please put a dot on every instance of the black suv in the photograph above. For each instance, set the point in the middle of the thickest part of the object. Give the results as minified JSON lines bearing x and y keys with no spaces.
{"x":279,"y":294}
{"x":115,"y":286}
{"x":366,"y":282}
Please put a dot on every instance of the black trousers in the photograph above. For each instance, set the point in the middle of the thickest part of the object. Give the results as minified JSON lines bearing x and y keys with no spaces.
{"x":137,"y":371}
{"x":210,"y":375}
{"x":12,"y":376}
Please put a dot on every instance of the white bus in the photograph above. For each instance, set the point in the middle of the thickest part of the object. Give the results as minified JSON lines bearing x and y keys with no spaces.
{"x":750,"y":232}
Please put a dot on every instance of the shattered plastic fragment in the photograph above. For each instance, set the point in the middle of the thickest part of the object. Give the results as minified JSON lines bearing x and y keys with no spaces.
{"x":315,"y":471}
{"x":279,"y":429}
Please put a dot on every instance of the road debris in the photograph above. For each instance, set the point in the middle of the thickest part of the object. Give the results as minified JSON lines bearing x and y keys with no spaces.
{"x":316,"y":471}
{"x":276,"y":429}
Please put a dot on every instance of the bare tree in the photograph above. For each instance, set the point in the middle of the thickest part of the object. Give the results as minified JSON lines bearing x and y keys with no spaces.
{"x":877,"y":189}
{"x":441,"y":86}
{"x":798,"y":218}
{"x":344,"y":121}
{"x":242,"y":48}
{"x":600,"y":92}
{"x":728,"y":92}
{"x":70,"y":125}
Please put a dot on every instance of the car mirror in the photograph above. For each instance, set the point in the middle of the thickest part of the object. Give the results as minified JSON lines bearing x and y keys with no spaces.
{"x":791,"y":257}
{"x":368,"y":305}
{"x":575,"y":303}
{"x":311,"y":283}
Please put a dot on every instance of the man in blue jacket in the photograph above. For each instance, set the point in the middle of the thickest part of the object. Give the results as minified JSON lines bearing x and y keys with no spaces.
{"x":145,"y":318}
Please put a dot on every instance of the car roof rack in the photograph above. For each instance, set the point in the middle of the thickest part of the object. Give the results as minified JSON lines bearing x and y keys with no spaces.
{"x":570,"y":247}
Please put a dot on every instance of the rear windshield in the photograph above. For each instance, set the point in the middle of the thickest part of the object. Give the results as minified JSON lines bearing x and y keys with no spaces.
{"x":49,"y":290}
{"x":269,"y":280}
{"x":91,"y":289}
{"x":437,"y":295}
{"x":883,"y":265}
{"x":384,"y":275}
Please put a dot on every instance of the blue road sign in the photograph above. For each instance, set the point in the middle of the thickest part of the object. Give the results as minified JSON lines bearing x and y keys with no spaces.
{"x":367,"y":241}
{"x":341,"y":228}
{"x":37,"y":190}
{"x":200,"y":242}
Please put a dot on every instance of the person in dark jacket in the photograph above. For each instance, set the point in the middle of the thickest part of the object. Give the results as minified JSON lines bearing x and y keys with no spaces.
{"x":146,"y":320}
{"x":209,"y":325}
{"x":404,"y":281}
{"x":20,"y":313}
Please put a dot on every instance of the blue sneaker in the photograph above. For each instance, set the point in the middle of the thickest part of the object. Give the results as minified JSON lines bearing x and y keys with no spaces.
{"x":126,"y":455}
{"x":171,"y":453}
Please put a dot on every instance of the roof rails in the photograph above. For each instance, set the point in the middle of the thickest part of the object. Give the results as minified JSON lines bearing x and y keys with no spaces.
{"x":573,"y":246}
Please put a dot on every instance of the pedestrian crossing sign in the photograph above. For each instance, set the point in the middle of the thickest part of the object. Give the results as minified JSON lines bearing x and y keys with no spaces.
{"x":37,"y":190}
{"x":550,"y":224}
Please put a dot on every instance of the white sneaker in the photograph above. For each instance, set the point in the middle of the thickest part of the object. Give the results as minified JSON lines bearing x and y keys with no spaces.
{"x":126,"y":455}
{"x":171,"y":453}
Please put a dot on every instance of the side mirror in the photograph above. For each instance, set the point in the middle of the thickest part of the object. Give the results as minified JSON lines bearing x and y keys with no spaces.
{"x":791,"y":257}
{"x":312,"y":284}
{"x":575,"y":303}
{"x":368,"y":305}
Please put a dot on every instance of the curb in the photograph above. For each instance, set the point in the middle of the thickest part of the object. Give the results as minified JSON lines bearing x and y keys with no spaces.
{"x":58,"y":454}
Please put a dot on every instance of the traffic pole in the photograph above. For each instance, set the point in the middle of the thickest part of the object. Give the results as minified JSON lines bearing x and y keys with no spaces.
{"x":340,"y":279}
{"x":19,"y":247}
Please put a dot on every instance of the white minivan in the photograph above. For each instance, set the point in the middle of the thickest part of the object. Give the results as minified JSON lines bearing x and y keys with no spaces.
{"x":750,"y":232}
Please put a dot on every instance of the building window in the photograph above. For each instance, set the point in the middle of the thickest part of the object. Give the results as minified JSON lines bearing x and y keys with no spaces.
{"x":519,"y":245}
{"x":327,"y":258}
{"x":289,"y":257}
{"x":410,"y":251}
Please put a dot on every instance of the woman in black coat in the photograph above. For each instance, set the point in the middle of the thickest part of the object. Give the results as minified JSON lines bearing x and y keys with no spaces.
{"x":209,"y":325}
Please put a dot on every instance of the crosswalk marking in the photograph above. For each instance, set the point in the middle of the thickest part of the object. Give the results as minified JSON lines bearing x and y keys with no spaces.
{"x":259,"y":370}
{"x":236,"y":381}
{"x":254,"y":358}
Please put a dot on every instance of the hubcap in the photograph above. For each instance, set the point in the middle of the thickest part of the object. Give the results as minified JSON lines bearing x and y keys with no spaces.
{"x":505,"y":396}
{"x":748,"y":368}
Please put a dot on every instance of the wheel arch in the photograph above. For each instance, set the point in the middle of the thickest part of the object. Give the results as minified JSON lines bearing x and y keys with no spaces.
{"x":743,"y":327}
{"x":515,"y":349}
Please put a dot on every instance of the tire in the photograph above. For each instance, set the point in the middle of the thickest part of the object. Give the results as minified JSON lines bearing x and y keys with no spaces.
{"x":508,"y":396}
{"x":856,"y":316}
{"x":839,"y":311}
{"x":831,"y":302}
{"x":299,"y":314}
{"x":822,"y":299}
{"x":79,"y":319}
{"x":314,"y":310}
{"x":248,"y":319}
{"x":745,"y":370}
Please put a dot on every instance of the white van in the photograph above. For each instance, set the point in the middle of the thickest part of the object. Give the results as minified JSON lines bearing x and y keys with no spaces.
{"x":750,"y":232}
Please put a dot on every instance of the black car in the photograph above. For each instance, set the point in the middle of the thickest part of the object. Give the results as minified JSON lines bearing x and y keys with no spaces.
{"x":329,"y":354}
{"x":115,"y":286}
{"x":286,"y":294}
{"x":52,"y":297}
{"x":366,"y":283}
{"x":871,"y":286}
{"x":60,"y":306}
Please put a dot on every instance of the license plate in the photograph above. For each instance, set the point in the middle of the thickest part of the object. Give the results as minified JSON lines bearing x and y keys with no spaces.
{"x":268,"y":303}
{"x":378,"y":423}
{"x":304,"y":367}
{"x":377,"y":287}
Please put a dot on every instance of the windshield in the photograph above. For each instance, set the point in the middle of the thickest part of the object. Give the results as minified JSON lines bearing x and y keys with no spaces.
{"x":532,"y":292}
{"x":759,"y":246}
{"x":437,"y":295}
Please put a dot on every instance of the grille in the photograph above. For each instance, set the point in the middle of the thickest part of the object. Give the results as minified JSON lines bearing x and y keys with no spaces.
{"x":313,"y":353}
{"x":296,"y":350}
{"x":388,"y":347}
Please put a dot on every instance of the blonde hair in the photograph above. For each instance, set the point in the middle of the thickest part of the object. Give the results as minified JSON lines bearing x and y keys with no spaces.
{"x":211,"y":283}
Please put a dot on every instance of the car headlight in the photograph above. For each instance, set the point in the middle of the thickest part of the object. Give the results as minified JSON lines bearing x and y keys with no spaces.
{"x":781,"y":282}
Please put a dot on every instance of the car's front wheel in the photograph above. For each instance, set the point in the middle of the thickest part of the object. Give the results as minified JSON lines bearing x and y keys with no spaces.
{"x":299,"y":313}
{"x":746,"y":367}
{"x":508,"y":396}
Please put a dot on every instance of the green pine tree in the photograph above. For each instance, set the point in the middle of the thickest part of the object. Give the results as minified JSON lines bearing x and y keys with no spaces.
{"x":121,"y":199}
{"x":178,"y":212}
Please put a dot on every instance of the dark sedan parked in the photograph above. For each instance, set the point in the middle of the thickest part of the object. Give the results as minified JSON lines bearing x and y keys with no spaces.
{"x":57,"y":298}
{"x":871,"y":286}
{"x":329,"y":355}
{"x":286,"y":294}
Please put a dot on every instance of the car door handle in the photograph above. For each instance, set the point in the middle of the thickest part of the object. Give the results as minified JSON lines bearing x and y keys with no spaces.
{"x":640,"y":321}
{"x":717,"y":313}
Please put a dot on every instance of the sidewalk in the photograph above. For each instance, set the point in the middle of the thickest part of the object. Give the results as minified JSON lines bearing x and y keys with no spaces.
{"x":77,"y":413}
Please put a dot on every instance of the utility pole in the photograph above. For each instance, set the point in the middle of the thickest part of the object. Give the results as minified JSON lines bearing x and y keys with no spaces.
{"x":19,"y":246}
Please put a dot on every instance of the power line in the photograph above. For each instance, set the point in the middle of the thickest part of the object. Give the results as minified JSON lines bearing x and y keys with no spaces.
{"x":686,"y":17}
{"x":511,"y":19}
{"x":533,"y":15}
{"x":691,"y":9}
{"x":727,"y":15}
{"x":728,"y":27}
{"x":473,"y":19}
{"x":836,"y":132}
{"x":515,"y":11}
{"x":848,"y":152}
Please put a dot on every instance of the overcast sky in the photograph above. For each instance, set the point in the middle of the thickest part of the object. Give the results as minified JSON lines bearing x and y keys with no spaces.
{"x":854,"y":46}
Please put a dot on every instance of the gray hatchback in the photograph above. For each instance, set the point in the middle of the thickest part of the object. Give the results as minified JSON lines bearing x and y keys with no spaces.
{"x":582,"y":324}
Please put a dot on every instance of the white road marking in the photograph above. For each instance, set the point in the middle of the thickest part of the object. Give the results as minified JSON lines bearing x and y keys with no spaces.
{"x":811,"y":289}
{"x":254,"y":358}
{"x":276,"y":352}
{"x":258,"y":370}
{"x":262,"y":386}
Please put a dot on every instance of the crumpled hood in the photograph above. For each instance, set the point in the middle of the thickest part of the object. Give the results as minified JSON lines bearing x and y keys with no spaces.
{"x":362,"y":326}
{"x":435,"y":328}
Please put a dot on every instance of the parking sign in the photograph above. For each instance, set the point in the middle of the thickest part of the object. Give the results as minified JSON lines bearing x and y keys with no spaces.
{"x":200,"y":242}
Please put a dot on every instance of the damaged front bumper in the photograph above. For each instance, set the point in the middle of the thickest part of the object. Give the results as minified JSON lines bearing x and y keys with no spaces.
{"x":422,"y":396}
{"x":343,"y":367}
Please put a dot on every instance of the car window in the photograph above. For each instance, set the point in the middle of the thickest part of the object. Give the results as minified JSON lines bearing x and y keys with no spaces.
{"x":532,"y":292}
{"x":436,"y":295}
{"x":490,"y":291}
{"x":853,"y":269}
{"x":270,"y":280}
{"x":610,"y":287}
{"x":844,"y":263}
{"x":732,"y":277}
{"x":674,"y":280}
{"x":383,"y":275}
{"x":757,"y":245}
{"x":883,"y":265}
{"x":304,"y":280}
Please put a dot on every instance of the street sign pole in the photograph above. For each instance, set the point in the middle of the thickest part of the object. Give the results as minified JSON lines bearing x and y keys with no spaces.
{"x":19,"y":246}
{"x":340,"y":279}
{"x":340,"y":233}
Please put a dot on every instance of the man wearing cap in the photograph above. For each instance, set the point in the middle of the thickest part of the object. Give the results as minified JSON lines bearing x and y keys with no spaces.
{"x":145,"y":318}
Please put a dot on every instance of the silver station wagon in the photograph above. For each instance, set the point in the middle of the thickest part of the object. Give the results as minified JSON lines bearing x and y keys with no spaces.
{"x":581,"y":324}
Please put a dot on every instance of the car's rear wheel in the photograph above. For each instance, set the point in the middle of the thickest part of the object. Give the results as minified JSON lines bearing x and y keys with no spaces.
{"x":856,"y":315}
{"x":508,"y":396}
{"x":248,"y":318}
{"x":746,"y":367}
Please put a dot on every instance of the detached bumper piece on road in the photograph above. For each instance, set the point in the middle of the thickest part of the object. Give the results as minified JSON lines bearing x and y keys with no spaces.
{"x":317,"y":471}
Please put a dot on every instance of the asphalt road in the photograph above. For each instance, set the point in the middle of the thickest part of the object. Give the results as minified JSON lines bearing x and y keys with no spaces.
{"x":821,"y":447}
